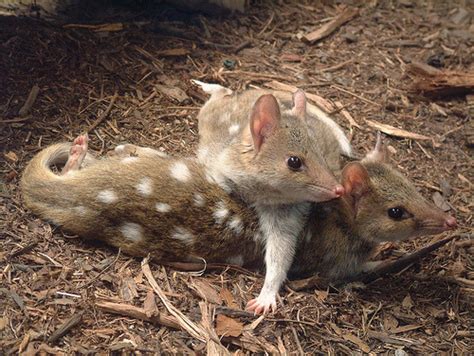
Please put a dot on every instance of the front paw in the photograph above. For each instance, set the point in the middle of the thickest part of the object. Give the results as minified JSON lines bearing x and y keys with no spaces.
{"x":262,"y":304}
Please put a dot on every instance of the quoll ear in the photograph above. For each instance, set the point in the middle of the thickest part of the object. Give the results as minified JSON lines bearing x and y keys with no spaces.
{"x":299,"y":104}
{"x":264,"y":119}
{"x":355,"y":180}
{"x":379,"y":153}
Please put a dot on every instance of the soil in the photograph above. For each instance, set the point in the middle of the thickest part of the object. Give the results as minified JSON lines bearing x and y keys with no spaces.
{"x":130,"y":82}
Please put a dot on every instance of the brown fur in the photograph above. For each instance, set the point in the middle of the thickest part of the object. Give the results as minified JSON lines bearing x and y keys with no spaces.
{"x":337,"y":239}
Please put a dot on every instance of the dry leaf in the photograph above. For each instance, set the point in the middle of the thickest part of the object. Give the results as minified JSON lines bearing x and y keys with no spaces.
{"x":440,"y":202}
{"x":228,"y":298}
{"x":407,"y":302}
{"x":389,"y":322}
{"x":321,"y":295}
{"x":354,"y":339}
{"x":128,"y":289}
{"x":173,"y":92}
{"x":228,"y":326}
{"x":206,"y":291}
{"x":3,"y":323}
{"x":149,"y":305}
{"x":393,"y":131}
{"x":11,"y":156}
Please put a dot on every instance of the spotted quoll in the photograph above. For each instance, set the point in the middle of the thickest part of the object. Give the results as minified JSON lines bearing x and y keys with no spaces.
{"x":167,"y":207}
{"x":253,"y":146}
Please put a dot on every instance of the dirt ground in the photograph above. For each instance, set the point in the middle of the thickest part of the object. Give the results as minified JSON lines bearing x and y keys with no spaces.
{"x":131,"y":82}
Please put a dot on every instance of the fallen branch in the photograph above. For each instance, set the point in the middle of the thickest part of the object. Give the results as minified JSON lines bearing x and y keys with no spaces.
{"x":138,"y":313}
{"x":393,"y":131}
{"x":345,"y":16}
{"x":401,"y":263}
{"x":433,"y":82}
{"x":65,"y":327}
{"x":388,"y":267}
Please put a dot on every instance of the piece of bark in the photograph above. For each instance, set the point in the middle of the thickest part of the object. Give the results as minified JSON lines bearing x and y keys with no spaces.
{"x":433,"y":82}
{"x":138,"y":313}
{"x":393,"y":131}
{"x":345,"y":16}
{"x":65,"y":327}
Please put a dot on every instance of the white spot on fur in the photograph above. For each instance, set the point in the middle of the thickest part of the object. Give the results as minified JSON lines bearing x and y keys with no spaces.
{"x":180,"y":171}
{"x":145,"y":187}
{"x":199,"y":200}
{"x":163,"y":207}
{"x":107,"y":196}
{"x":236,"y":224}
{"x":182,"y":234}
{"x":132,"y":231}
{"x":233,"y":129}
{"x":236,"y":260}
{"x":221,"y":212}
{"x":80,"y":210}
{"x":130,"y":159}
{"x":119,"y":148}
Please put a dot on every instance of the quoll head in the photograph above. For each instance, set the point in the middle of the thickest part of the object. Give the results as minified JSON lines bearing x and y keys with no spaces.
{"x":284,"y":155}
{"x":387,"y":206}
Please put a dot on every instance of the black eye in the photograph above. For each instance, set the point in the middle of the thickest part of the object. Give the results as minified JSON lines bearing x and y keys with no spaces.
{"x":396,"y":213}
{"x":294,"y":163}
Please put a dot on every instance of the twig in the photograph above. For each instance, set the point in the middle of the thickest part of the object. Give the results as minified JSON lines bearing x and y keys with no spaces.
{"x":64,"y":328}
{"x":393,"y":131}
{"x":106,"y":268}
{"x":308,"y":283}
{"x":23,"y":250}
{"x":401,"y":263}
{"x":368,"y":101}
{"x":104,"y":115}
{"x":25,"y":109}
{"x":185,"y":323}
{"x":139,"y":313}
{"x":346,"y":15}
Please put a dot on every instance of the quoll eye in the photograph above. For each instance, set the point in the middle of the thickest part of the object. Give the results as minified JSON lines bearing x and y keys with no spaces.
{"x":294,"y":163}
{"x":396,"y":213}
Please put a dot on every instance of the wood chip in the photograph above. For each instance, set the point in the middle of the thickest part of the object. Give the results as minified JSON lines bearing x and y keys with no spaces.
{"x":65,"y":327}
{"x":228,"y":326}
{"x":228,"y":298}
{"x":393,"y":131}
{"x":173,"y":52}
{"x":206,"y":291}
{"x":175,"y":93}
{"x":345,"y":16}
{"x":354,"y":339}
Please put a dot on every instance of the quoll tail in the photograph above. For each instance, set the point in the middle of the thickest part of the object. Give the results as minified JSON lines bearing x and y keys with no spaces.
{"x":41,"y":187}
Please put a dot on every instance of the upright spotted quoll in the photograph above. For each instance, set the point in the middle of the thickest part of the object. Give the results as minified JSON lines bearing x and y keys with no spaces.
{"x":253,"y":146}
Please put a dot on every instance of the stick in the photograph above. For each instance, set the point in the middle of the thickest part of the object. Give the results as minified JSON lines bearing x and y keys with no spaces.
{"x":25,"y":109}
{"x":104,"y":114}
{"x":440,"y":83}
{"x":23,"y":250}
{"x":346,"y":15}
{"x":65,"y":327}
{"x":139,"y":313}
{"x":393,"y":131}
{"x":401,"y":263}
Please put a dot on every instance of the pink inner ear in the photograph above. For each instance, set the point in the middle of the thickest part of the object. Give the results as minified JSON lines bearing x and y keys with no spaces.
{"x":355,"y":179}
{"x":264,"y":119}
{"x":299,"y":104}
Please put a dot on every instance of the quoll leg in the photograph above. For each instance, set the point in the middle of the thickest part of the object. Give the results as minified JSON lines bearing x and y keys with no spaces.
{"x":77,"y":153}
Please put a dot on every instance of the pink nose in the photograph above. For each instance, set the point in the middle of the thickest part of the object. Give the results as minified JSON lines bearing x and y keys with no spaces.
{"x":339,"y":190}
{"x":450,"y":222}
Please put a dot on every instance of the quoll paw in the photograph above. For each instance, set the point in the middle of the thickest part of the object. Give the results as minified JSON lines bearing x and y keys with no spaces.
{"x":262,"y":305}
